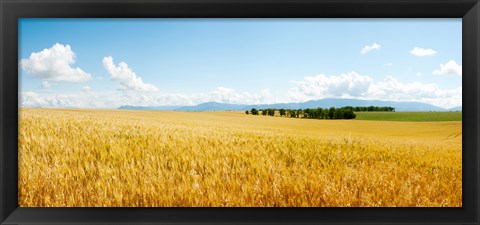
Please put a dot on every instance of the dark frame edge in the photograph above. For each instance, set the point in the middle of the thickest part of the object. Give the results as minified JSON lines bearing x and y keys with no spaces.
{"x":471,"y":58}
{"x":2,"y":213}
{"x":8,"y":200}
{"x":471,"y":61}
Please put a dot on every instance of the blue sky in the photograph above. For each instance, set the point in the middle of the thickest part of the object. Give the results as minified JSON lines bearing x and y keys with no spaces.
{"x":106,"y":63}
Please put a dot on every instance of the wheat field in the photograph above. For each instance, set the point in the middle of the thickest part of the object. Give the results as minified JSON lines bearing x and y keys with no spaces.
{"x":117,"y":158}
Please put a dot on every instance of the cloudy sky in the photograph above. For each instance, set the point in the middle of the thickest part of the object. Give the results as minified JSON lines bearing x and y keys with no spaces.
{"x":106,"y":63}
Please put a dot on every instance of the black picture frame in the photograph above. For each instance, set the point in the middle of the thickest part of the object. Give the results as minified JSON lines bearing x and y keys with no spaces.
{"x":11,"y":10}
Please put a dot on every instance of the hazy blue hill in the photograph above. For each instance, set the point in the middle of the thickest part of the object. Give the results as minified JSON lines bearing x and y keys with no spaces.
{"x":458,"y":108}
{"x":324,"y":103}
{"x":212,"y":106}
{"x":399,"y":106}
{"x":278,"y":106}
{"x":148,"y":107}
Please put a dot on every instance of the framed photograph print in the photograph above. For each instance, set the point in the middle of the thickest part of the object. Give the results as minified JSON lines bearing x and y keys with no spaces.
{"x":239,"y":112}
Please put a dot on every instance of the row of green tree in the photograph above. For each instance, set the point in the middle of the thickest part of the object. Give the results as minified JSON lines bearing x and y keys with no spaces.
{"x":371,"y":108}
{"x":310,"y":113}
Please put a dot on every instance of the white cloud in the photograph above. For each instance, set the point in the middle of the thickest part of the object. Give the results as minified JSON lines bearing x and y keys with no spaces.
{"x":219,"y":94}
{"x":388,"y":64}
{"x":54,"y":64}
{"x":75,"y":100}
{"x":227,"y":95}
{"x":451,"y":67}
{"x":369,"y":48}
{"x":126,"y":77}
{"x":423,"y":51}
{"x":32,"y":99}
{"x":354,"y":85}
{"x":45,"y":84}
{"x":222,"y":94}
{"x":349,"y":85}
{"x":392,"y":89}
{"x":322,"y":86}
{"x":86,"y":89}
{"x":418,"y":74}
{"x":90,"y":99}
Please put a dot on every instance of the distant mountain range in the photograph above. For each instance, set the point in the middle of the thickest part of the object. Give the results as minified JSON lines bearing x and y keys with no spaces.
{"x":458,"y":108}
{"x":324,"y":103}
{"x":148,"y":107}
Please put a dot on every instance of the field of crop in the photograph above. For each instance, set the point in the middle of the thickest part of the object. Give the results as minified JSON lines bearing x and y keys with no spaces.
{"x":410,"y":116}
{"x":74,"y":157}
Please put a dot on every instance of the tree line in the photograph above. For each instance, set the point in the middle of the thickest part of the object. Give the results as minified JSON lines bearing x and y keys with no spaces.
{"x":371,"y":108}
{"x":346,"y":112}
{"x":310,"y":113}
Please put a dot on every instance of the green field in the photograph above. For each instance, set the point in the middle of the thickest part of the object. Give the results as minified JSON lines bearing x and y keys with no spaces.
{"x":410,"y":116}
